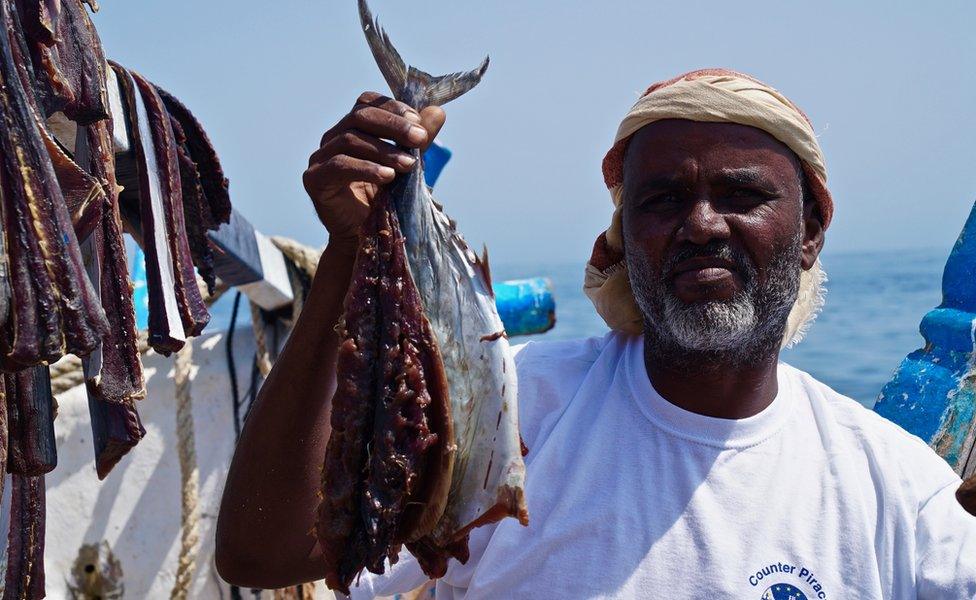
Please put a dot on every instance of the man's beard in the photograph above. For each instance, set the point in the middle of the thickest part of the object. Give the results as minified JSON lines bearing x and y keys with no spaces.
{"x":743,"y":330}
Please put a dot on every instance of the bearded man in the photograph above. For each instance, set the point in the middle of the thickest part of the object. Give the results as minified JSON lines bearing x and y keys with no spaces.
{"x":675,"y":457}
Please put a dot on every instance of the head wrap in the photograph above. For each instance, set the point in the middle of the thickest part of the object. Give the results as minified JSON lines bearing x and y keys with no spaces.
{"x":717,"y":96}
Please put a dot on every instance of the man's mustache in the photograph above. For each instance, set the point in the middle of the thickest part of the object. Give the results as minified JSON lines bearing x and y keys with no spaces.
{"x":714,"y":249}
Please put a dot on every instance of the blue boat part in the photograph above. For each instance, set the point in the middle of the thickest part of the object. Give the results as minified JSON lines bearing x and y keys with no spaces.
{"x":933,"y":391}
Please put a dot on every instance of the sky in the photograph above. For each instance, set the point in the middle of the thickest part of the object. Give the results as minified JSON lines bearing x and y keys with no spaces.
{"x":890,"y":88}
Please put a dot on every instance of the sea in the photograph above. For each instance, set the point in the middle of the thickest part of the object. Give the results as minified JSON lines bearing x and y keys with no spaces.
{"x":875,"y":301}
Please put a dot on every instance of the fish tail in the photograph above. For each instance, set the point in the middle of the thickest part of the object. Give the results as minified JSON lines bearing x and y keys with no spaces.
{"x":411,"y":85}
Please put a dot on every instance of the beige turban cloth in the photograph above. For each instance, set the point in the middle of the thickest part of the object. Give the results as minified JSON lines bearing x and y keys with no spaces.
{"x":717,"y":96}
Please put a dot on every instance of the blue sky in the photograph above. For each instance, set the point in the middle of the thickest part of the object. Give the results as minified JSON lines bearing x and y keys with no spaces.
{"x":889,"y":86}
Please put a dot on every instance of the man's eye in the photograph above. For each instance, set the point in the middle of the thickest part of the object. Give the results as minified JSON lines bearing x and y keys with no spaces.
{"x":746,"y":198}
{"x":660,"y":201}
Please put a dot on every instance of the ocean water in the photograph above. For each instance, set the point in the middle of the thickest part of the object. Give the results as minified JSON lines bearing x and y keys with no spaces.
{"x":875,"y":301}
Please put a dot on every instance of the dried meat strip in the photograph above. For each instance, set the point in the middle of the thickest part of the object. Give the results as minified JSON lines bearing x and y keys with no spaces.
{"x":71,"y":71}
{"x":390,"y":419}
{"x":212,"y":179}
{"x":54,"y":308}
{"x":31,"y":446}
{"x":166,"y":333}
{"x":193,"y":310}
{"x":81,"y":192}
{"x":25,"y":539}
{"x":83,"y":63}
{"x":113,"y":373}
{"x":116,"y":429}
{"x":40,"y":19}
{"x":4,"y":434}
{"x":196,"y":212}
{"x":114,"y":369}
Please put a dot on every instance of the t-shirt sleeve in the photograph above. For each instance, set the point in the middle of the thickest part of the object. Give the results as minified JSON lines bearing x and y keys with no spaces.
{"x":945,"y":548}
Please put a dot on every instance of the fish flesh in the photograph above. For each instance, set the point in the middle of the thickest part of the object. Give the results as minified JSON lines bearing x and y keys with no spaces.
{"x":379,"y":487}
{"x":31,"y":445}
{"x":25,"y":539}
{"x":70,"y":67}
{"x":193,"y":310}
{"x":114,"y":370}
{"x":53,"y":305}
{"x":390,"y":414}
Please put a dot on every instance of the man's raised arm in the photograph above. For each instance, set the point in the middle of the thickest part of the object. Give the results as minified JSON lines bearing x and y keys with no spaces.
{"x":265,"y":530}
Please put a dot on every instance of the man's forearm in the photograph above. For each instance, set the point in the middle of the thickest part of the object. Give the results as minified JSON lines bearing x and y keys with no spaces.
{"x":265,"y":528}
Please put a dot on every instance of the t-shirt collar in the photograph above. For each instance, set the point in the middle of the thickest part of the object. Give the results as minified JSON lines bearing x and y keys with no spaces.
{"x":712,"y":431}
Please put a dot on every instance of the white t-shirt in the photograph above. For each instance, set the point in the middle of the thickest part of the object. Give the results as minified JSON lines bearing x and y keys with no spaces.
{"x":630,"y":496}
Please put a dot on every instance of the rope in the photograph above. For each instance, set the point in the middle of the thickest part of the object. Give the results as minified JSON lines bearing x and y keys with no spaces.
{"x":189,"y":475}
{"x":305,"y":257}
{"x":66,"y":374}
{"x":263,"y":355}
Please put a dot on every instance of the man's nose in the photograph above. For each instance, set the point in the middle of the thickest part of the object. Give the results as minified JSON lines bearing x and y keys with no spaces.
{"x":703,"y":224}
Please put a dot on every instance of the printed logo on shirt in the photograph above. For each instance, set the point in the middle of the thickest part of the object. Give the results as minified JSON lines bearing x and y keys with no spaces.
{"x":783,"y":591}
{"x":792,"y":582}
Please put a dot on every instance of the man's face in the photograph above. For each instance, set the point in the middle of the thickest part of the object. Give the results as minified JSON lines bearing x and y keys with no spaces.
{"x":715,"y":235}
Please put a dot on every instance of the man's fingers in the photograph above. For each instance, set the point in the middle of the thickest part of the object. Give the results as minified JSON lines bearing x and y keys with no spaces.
{"x":366,"y":147}
{"x":342,"y":170}
{"x":432,"y":118}
{"x":404,"y":130}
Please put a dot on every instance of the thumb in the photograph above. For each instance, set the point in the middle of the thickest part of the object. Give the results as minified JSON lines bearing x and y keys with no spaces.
{"x":432,"y":118}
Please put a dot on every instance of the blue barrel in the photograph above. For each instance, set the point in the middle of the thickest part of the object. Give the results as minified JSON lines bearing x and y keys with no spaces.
{"x":526,"y":306}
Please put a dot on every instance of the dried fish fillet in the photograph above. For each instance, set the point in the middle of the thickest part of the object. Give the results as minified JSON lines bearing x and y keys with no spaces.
{"x":166,"y":333}
{"x":202,"y":152}
{"x":32,"y":449}
{"x":115,"y":368}
{"x":40,"y":19}
{"x":80,"y":191}
{"x":196,"y":211}
{"x":402,"y":441}
{"x":193,"y":310}
{"x":54,"y":309}
{"x":71,"y":70}
{"x":25,"y":539}
{"x":116,"y":429}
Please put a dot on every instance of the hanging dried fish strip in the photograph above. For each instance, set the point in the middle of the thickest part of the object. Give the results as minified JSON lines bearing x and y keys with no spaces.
{"x":81,"y":192}
{"x":116,"y":429}
{"x":71,"y":71}
{"x":387,"y":354}
{"x":166,"y":333}
{"x":114,"y":368}
{"x":4,"y":435}
{"x":54,"y":307}
{"x":193,"y":310}
{"x":83,"y":64}
{"x":196,"y":212}
{"x":208,"y":165}
{"x":25,"y":539}
{"x":40,"y":19}
{"x":31,"y":446}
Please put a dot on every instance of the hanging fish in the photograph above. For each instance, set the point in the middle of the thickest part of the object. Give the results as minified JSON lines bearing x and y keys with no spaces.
{"x":425,"y":442}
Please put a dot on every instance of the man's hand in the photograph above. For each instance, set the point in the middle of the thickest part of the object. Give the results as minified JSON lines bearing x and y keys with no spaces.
{"x":357,"y":156}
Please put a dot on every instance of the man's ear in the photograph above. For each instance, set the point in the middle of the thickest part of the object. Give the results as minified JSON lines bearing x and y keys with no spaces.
{"x":813,"y":235}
